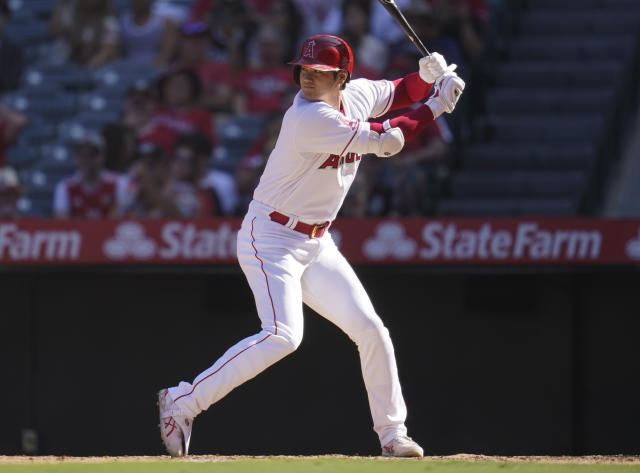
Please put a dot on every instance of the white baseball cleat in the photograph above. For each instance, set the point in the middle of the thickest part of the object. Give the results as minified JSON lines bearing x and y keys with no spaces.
{"x":175,"y":428}
{"x":402,"y":446}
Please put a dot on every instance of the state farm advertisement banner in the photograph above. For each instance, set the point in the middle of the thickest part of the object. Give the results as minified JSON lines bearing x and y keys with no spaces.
{"x":363,"y":241}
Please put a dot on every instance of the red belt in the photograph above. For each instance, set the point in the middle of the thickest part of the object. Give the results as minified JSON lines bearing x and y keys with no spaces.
{"x":312,"y":231}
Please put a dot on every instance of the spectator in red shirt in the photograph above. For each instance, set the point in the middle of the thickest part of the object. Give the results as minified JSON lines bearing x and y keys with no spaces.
{"x":11,"y":124}
{"x":178,"y":111}
{"x":217,"y":77}
{"x":263,"y":84}
{"x":92,"y":192}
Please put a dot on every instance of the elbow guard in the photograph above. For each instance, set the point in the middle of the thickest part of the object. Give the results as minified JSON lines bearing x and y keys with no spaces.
{"x":386,"y":144}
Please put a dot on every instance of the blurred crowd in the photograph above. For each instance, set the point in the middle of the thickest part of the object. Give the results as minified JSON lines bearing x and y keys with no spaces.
{"x":219,"y":59}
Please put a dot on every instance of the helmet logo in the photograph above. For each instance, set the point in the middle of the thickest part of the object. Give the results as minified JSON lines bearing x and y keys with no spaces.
{"x":308,"y":49}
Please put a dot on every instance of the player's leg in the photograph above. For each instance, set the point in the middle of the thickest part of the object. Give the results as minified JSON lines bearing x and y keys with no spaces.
{"x":274,"y":278}
{"x":331,"y":288}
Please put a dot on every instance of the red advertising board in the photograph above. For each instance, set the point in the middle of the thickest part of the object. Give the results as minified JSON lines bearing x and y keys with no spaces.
{"x":363,"y":241}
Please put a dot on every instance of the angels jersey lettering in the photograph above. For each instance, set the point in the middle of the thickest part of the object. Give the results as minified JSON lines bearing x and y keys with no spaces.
{"x":318,"y":151}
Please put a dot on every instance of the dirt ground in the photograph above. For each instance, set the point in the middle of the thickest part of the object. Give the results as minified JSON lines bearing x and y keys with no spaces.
{"x":594,"y":459}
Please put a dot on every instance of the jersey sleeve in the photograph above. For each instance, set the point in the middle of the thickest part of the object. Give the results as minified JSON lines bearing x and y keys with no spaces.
{"x":375,"y":95}
{"x":322,"y":129}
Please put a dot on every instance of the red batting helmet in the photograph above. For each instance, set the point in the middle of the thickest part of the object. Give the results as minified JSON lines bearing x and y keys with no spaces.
{"x":324,"y":53}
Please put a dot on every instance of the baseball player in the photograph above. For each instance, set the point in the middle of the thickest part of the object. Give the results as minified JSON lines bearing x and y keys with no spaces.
{"x":285,"y":249}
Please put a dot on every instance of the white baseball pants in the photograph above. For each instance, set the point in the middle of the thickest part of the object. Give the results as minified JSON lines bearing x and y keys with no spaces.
{"x":286,"y":268}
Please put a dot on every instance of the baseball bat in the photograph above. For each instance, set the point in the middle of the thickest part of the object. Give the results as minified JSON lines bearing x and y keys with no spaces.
{"x":394,"y":11}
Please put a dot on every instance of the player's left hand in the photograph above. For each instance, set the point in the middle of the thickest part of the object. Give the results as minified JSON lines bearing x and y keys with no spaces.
{"x":451,"y":86}
{"x":432,"y":67}
{"x":446,"y":94}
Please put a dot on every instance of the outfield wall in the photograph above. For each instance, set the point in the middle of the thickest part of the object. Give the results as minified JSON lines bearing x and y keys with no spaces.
{"x":497,"y":361}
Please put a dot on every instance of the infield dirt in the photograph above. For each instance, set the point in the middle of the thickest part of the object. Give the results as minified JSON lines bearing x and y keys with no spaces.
{"x":592,"y":459}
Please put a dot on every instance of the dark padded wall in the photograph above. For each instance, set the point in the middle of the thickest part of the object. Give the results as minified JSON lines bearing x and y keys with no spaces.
{"x":490,"y":363}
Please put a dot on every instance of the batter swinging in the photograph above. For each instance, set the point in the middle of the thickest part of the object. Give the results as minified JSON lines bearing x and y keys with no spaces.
{"x":284,"y":246}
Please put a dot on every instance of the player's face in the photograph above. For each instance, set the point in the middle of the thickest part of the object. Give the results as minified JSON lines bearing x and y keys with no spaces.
{"x":319,"y":85}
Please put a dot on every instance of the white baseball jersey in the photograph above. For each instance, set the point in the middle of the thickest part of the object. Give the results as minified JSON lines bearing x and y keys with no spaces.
{"x":318,"y":151}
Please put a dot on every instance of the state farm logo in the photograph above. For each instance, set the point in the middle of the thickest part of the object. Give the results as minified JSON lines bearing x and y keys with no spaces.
{"x":446,"y":241}
{"x":18,"y":244}
{"x":129,"y":241}
{"x":527,"y":241}
{"x":633,"y":247}
{"x":390,"y":240}
{"x":176,"y":241}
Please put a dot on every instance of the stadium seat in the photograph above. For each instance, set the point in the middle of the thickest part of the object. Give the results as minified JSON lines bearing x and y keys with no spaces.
{"x":573,"y":4}
{"x":39,"y":9}
{"x":505,"y":207}
{"x":540,"y":156}
{"x":38,"y":182}
{"x":581,"y":21}
{"x":35,"y":206}
{"x":520,"y":100}
{"x":37,"y":132}
{"x":520,"y":184}
{"x":56,"y":155}
{"x":558,"y":74}
{"x":49,"y":108}
{"x":98,"y":103}
{"x":526,"y":130}
{"x":617,"y":46}
{"x":20,"y":156}
{"x":67,"y":76}
{"x":27,"y":31}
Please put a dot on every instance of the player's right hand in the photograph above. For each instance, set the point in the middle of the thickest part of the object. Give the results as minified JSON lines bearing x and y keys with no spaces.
{"x":432,"y":67}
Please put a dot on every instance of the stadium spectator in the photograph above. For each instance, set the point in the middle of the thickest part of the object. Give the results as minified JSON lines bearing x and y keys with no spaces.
{"x":250,"y":168}
{"x":122,"y":135}
{"x":429,"y":29}
{"x":10,"y":54}
{"x":12,"y":123}
{"x":182,"y":186}
{"x":465,"y":21}
{"x":319,"y":16}
{"x":92,"y":192}
{"x":87,"y":30}
{"x":371,"y":54}
{"x":231,"y":26}
{"x":9,"y":193}
{"x":262,"y":86}
{"x":216,"y":188}
{"x":404,"y":186}
{"x":144,"y":194}
{"x":284,"y":16}
{"x":383,"y":26}
{"x":216,"y":76}
{"x":146,"y":36}
{"x":178,"y":110}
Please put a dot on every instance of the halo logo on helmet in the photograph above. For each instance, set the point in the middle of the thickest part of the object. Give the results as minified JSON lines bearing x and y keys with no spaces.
{"x":308,"y":49}
{"x":324,"y":53}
